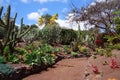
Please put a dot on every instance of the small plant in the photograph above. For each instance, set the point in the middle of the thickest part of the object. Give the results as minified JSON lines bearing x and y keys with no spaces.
{"x":13,"y":58}
{"x":46,"y":48}
{"x":100,"y":51}
{"x":18,"y":56}
{"x":33,"y":57}
{"x":74,"y":54}
{"x":113,"y":64}
{"x":84,"y":50}
{"x":6,"y":69}
{"x":2,"y":60}
{"x":21,"y":51}
{"x":108,"y":52}
{"x":94,"y":56}
{"x":74,"y":46}
{"x":95,"y":69}
{"x":117,"y":46}
{"x":55,"y":50}
{"x":50,"y":59}
{"x":44,"y":53}
{"x":66,"y":49}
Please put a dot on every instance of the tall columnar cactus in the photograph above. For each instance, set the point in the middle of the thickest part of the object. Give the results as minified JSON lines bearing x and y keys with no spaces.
{"x":12,"y":33}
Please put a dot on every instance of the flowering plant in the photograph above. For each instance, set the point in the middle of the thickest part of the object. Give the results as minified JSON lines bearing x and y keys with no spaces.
{"x":113,"y":63}
{"x":95,"y":69}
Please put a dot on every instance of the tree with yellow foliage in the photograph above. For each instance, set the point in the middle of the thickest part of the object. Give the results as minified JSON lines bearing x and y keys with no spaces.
{"x":47,"y":19}
{"x":53,"y":18}
{"x":40,"y":21}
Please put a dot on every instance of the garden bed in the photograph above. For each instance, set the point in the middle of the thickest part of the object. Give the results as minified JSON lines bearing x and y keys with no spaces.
{"x":22,"y":70}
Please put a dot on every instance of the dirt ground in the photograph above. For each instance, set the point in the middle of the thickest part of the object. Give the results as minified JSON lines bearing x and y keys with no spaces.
{"x":81,"y":69}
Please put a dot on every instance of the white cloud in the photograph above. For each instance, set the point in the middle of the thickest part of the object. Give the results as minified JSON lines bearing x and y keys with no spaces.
{"x":24,"y":1}
{"x":74,"y":26}
{"x":44,"y":1}
{"x":35,"y":15}
{"x":93,"y":3}
{"x":63,"y":23}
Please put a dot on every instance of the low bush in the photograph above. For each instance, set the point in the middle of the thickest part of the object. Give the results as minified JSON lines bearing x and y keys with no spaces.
{"x":117,"y":46}
{"x":54,"y":35}
{"x":50,"y":34}
{"x":84,"y":50}
{"x":100,"y":51}
{"x":6,"y":69}
{"x":67,"y":36}
{"x":41,"y":54}
{"x":2,"y":60}
{"x":74,"y":54}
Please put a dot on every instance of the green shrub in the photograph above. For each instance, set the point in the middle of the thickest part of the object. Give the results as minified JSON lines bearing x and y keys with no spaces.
{"x":2,"y":60}
{"x":100,"y":51}
{"x":74,"y":46}
{"x":84,"y":50}
{"x":34,"y":57}
{"x":108,"y":52}
{"x":18,"y":56}
{"x":117,"y":46}
{"x":50,"y":34}
{"x":81,"y":48}
{"x":48,"y":59}
{"x":13,"y":58}
{"x":66,"y":49}
{"x":46,"y":48}
{"x":74,"y":54}
{"x":67,"y":36}
{"x":55,"y":34}
{"x":39,"y":55}
{"x":21,"y":51}
{"x":55,"y":50}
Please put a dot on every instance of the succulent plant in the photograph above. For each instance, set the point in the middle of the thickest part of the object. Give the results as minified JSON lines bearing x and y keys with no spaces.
{"x":12,"y":33}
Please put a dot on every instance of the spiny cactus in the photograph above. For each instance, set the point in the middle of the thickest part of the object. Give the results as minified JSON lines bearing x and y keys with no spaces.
{"x":12,"y":33}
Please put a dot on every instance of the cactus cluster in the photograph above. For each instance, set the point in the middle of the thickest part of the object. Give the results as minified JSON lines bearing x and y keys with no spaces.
{"x":12,"y":33}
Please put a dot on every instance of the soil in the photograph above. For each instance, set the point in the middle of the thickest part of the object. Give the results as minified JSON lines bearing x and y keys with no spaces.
{"x":81,"y":69}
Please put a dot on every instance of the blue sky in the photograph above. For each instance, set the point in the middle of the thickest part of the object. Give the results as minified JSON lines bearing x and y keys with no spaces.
{"x":30,"y":10}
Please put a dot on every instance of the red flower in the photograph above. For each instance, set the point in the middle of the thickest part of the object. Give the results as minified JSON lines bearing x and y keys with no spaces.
{"x":95,"y":69}
{"x":98,"y":42}
{"x":113,"y":64}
